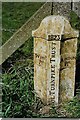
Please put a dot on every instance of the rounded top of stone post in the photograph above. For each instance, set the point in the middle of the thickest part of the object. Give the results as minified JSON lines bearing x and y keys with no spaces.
{"x":55,"y":25}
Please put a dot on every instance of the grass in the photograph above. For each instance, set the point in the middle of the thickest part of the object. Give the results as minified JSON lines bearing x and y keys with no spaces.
{"x":73,"y":108}
{"x":15,"y":15}
{"x":18,"y":70}
{"x":17,"y":78}
{"x":18,"y":90}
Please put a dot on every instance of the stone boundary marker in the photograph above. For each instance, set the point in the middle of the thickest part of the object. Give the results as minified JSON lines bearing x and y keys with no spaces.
{"x":55,"y":47}
{"x":24,"y":33}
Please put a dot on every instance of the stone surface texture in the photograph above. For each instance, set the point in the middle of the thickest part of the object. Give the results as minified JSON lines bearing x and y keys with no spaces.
{"x":55,"y":46}
{"x":62,"y":9}
{"x":76,"y":7}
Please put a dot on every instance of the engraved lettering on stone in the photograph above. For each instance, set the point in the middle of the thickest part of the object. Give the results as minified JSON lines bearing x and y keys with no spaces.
{"x":53,"y":37}
{"x":52,"y":61}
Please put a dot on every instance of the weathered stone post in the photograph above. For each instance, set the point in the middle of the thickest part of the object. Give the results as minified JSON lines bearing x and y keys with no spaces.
{"x":55,"y":46}
{"x":68,"y":62}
